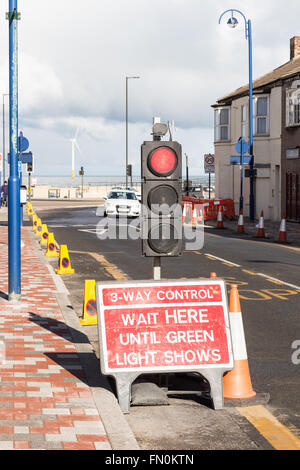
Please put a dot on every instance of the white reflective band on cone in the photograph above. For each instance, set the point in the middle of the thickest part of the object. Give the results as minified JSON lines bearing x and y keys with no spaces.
{"x":238,"y":337}
{"x":283,"y":226}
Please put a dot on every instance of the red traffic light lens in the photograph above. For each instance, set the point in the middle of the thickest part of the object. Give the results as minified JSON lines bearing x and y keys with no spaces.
{"x":162,"y":161}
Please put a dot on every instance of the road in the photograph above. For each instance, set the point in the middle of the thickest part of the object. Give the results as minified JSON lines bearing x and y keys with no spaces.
{"x":268,"y":277}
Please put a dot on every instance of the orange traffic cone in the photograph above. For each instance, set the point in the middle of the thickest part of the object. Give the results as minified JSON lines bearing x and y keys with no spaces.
{"x":201,"y":217}
{"x":261,"y":227}
{"x":213,"y":275}
{"x":184,"y":213}
{"x":237,"y":382}
{"x":195,"y":217}
{"x":220,"y":218}
{"x":240,"y":227}
{"x":282,"y":238}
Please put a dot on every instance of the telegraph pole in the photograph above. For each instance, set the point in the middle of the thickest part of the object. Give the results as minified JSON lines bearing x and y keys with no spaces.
{"x":14,"y":226}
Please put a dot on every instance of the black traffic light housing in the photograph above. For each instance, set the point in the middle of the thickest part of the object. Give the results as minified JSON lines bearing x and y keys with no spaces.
{"x":161,"y":198}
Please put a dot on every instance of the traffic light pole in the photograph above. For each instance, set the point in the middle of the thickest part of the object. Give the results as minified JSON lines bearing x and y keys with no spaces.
{"x":14,"y":227}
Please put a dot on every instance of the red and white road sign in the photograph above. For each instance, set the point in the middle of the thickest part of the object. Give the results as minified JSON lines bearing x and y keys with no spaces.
{"x":163,"y":326}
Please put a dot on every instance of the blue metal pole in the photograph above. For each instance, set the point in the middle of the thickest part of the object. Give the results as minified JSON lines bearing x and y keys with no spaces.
{"x":251,"y":195}
{"x":242,"y":176}
{"x":14,"y":229}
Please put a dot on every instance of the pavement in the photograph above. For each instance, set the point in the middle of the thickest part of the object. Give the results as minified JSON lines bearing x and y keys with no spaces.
{"x":52,"y":395}
{"x":271,"y":229}
{"x":55,"y":350}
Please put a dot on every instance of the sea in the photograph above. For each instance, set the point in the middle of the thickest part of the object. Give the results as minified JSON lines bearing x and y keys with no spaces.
{"x":68,"y":182}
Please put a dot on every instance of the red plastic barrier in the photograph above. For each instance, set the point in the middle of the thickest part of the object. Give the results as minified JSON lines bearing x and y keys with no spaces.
{"x":210,"y":207}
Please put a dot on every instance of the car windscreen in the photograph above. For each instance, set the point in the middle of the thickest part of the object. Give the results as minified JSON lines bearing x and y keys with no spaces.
{"x":121,"y":195}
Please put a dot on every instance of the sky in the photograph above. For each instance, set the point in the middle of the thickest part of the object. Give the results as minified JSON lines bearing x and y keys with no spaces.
{"x":74,"y":57}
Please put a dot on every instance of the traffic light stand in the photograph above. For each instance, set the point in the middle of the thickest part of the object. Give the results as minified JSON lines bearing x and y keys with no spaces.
{"x":157,"y":268}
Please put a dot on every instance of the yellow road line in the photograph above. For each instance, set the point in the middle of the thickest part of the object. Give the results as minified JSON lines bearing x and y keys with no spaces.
{"x":110,"y":268}
{"x":249,"y":272}
{"x":270,"y":428}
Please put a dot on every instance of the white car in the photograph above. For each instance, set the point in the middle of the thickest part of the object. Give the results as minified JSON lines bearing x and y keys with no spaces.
{"x":122,"y":202}
{"x":137,"y":193}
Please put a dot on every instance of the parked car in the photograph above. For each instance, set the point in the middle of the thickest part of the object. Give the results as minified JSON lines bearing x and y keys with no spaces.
{"x":122,"y":202}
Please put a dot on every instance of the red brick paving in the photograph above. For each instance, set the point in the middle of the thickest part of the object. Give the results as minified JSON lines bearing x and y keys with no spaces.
{"x":44,"y":400}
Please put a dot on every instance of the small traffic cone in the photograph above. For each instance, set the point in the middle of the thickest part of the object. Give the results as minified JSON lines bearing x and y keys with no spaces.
{"x":261,"y":227}
{"x":282,"y":237}
{"x":184,"y":213}
{"x":237,"y":382}
{"x":51,"y":248}
{"x":64,"y":264}
{"x":89,"y":304}
{"x":29,"y":208}
{"x":34,"y":222}
{"x":38,"y":229}
{"x":220,"y":218}
{"x":45,"y":235}
{"x":240,"y":227}
{"x":213,"y":275}
{"x":201,"y":217}
{"x":195,"y":217}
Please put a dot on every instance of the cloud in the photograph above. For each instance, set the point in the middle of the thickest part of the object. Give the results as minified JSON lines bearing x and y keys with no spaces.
{"x":74,"y":57}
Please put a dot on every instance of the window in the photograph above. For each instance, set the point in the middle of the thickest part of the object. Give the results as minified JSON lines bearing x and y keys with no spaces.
{"x":244,"y":130}
{"x":293,"y":104}
{"x":261,"y":115}
{"x":222,"y":123}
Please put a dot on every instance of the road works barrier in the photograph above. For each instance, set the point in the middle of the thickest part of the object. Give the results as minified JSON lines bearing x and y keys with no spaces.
{"x":237,"y":382}
{"x":89,"y":316}
{"x":209,"y":207}
{"x":64,"y":263}
{"x":51,"y":247}
{"x":148,"y":327}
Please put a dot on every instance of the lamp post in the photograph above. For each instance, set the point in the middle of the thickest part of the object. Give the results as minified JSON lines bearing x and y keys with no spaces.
{"x":3,"y":122}
{"x":232,"y":23}
{"x":14,"y":228}
{"x":127,"y":78}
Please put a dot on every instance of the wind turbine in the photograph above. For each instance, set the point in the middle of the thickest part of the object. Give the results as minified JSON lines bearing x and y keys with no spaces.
{"x":74,"y":143}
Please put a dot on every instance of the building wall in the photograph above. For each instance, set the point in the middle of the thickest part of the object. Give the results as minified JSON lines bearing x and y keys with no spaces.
{"x":290,"y":140}
{"x":267,"y":151}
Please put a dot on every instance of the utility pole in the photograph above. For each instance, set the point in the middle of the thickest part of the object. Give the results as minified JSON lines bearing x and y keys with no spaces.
{"x":3,"y":129}
{"x":187,"y":174}
{"x":14,"y":226}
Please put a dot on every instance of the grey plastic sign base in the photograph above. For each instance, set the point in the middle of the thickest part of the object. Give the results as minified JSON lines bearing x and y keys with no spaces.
{"x":214,"y":377}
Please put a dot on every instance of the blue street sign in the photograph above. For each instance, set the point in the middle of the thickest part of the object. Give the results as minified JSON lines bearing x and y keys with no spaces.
{"x":23,"y":143}
{"x":242,"y":147}
{"x":24,"y":157}
{"x":236,"y":160}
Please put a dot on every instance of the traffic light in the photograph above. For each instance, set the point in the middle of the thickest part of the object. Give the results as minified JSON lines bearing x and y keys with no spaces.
{"x":129,"y":170}
{"x":81,"y":171}
{"x":161,"y":198}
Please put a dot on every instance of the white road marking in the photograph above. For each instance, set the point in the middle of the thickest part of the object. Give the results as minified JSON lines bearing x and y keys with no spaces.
{"x":223,"y":260}
{"x":279,"y":281}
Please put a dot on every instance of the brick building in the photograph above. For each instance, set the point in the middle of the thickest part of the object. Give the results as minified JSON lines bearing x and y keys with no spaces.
{"x":276,"y":124}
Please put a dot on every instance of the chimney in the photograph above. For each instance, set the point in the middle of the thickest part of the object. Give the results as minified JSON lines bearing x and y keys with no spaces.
{"x":295,"y":47}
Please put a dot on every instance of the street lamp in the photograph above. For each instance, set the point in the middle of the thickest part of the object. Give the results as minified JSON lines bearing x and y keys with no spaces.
{"x":127,"y":78}
{"x":3,"y":122}
{"x":232,"y":23}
